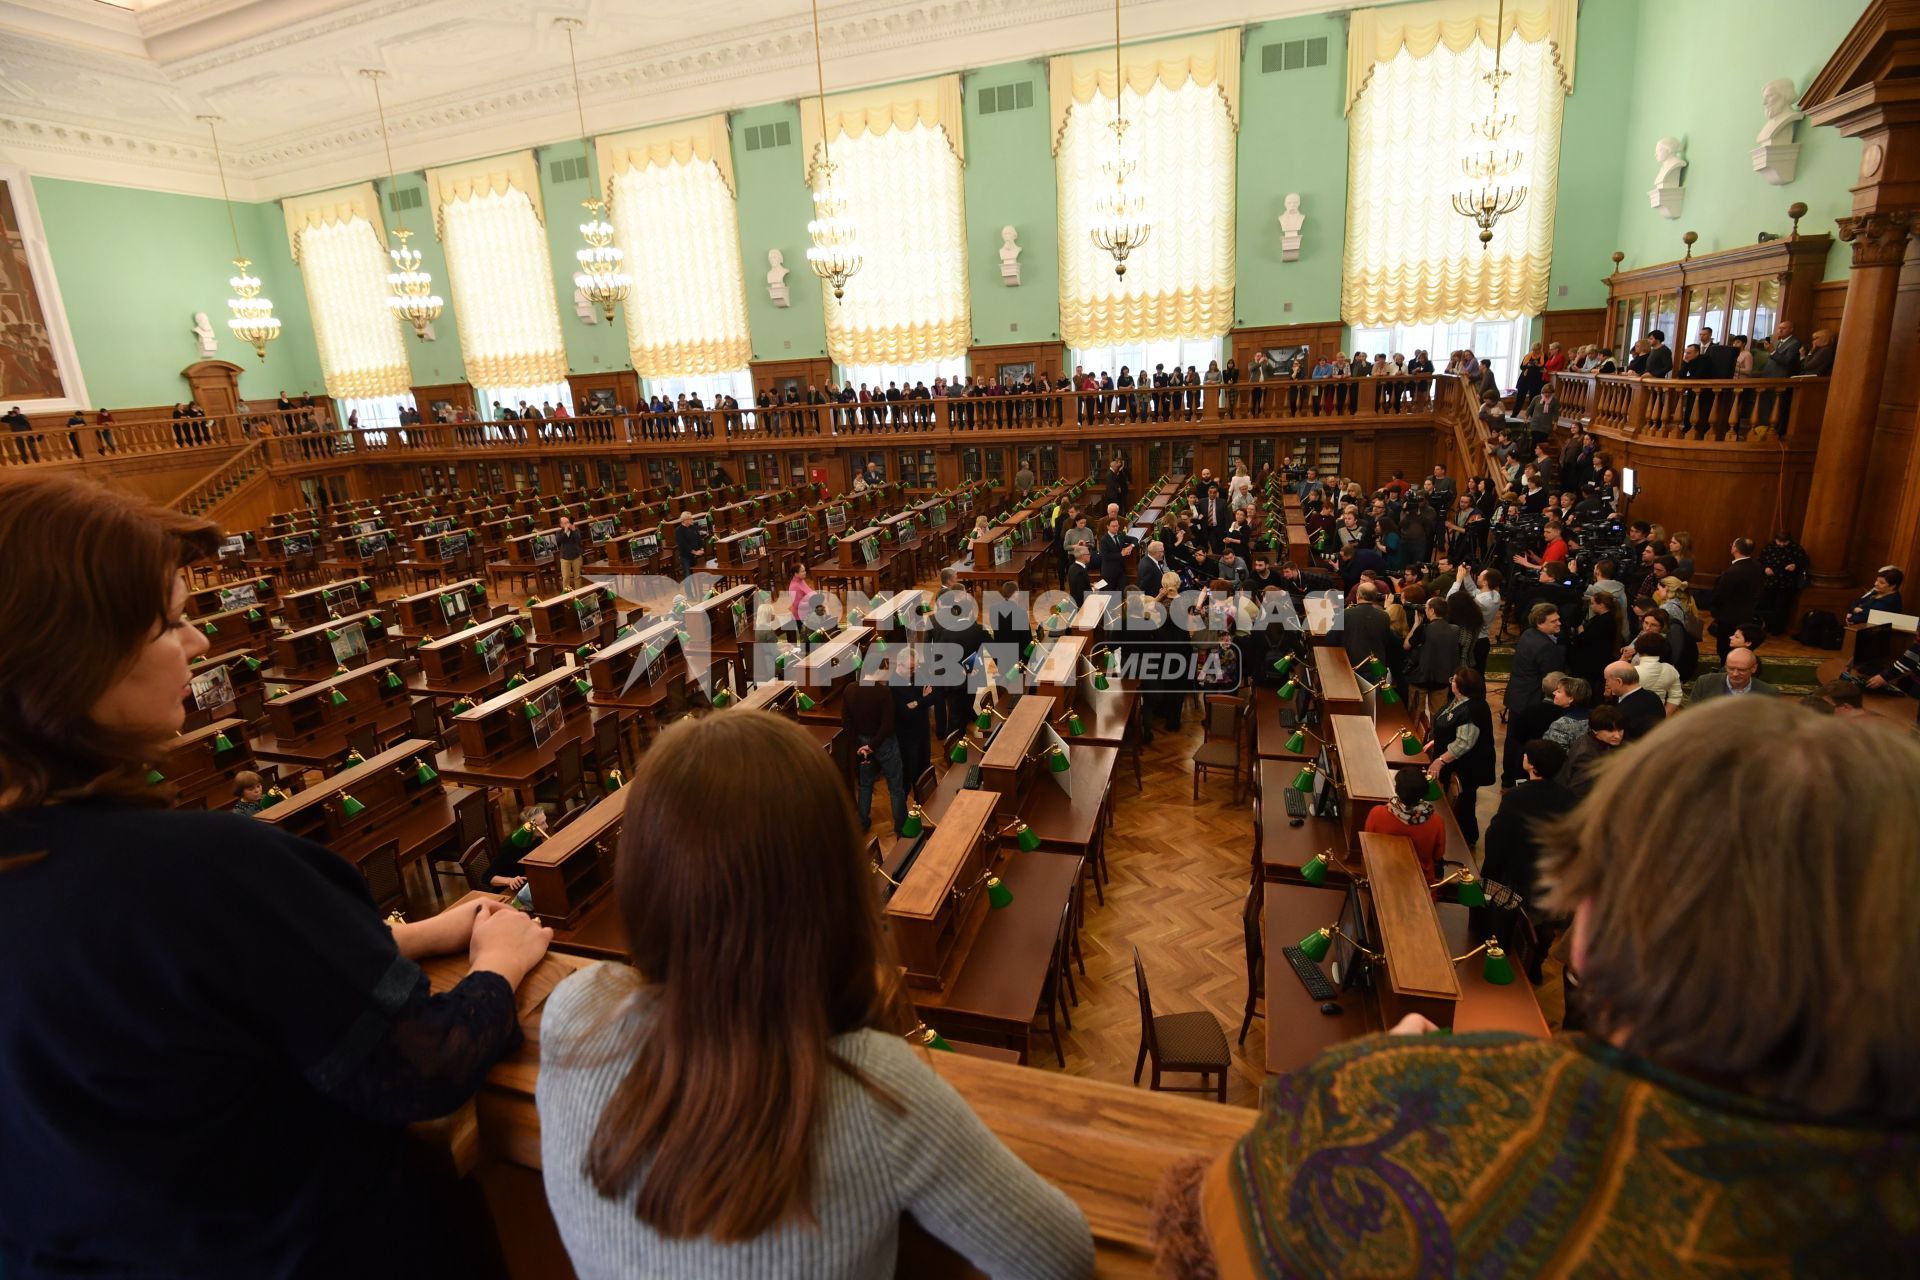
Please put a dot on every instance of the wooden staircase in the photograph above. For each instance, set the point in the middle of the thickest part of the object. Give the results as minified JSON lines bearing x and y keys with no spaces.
{"x":245,"y":469}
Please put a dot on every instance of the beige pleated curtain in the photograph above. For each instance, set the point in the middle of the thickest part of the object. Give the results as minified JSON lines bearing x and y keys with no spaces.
{"x":336,"y":238}
{"x":500,"y":270}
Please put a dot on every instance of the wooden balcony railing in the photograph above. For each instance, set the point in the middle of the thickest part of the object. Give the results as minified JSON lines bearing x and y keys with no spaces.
{"x":223,"y":481}
{"x":1735,"y":410}
{"x":189,"y":439}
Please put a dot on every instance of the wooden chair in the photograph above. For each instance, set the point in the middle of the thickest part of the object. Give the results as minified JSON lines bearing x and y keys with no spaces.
{"x":1053,"y":1000}
{"x":1181,"y":1042}
{"x":947,"y":745}
{"x":1256,"y":954}
{"x":569,"y":777}
{"x":476,"y":864}
{"x":606,"y":751}
{"x":381,"y":870}
{"x":1222,"y":747}
{"x":925,"y":785}
{"x":365,"y":740}
{"x":426,"y":721}
{"x":568,"y":816}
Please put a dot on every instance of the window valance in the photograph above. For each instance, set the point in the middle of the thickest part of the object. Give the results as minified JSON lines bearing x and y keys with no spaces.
{"x":496,"y":175}
{"x":704,"y":141}
{"x":332,"y":208}
{"x":1375,"y":36}
{"x":1205,"y":60}
{"x":934,"y":103}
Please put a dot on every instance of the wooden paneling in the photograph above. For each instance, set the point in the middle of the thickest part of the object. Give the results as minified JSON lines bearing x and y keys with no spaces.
{"x":457,"y":394}
{"x":1829,"y":300}
{"x":1323,"y":336}
{"x":216,"y":385}
{"x":624,"y":383}
{"x":1047,"y":358}
{"x":773,"y":375}
{"x":1575,"y":328}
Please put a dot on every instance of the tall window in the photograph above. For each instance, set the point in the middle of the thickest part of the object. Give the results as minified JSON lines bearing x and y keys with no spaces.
{"x":673,"y":214}
{"x":952,"y":368}
{"x":494,"y":399}
{"x":1499,"y":342}
{"x":1416,"y":86}
{"x":737,"y":383}
{"x":336,"y":238}
{"x":898,"y":152}
{"x":1179,"y":98}
{"x":1175,"y":353}
{"x":500,"y":272}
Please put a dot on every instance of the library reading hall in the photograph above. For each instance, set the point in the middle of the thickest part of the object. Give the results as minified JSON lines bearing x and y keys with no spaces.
{"x":796,"y":639}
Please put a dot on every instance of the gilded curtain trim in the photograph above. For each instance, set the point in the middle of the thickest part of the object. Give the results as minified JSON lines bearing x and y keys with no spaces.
{"x":1377,"y":35}
{"x":325,"y":208}
{"x":1075,"y":79}
{"x":500,"y":174}
{"x":703,"y":141}
{"x":540,"y":369}
{"x":934,"y":103}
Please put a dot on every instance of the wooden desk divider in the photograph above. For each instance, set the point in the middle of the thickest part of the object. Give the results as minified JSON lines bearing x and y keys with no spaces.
{"x":442,"y":611}
{"x":726,"y":616}
{"x":745,"y":549}
{"x":256,"y":593}
{"x":382,"y":791}
{"x":1056,"y":669}
{"x":609,"y":666}
{"x":770,"y":695}
{"x":570,"y":870}
{"x":247,"y":627}
{"x":636,"y":552}
{"x":826,"y":670}
{"x":1364,"y":775}
{"x":309,"y":654}
{"x":1334,"y":681}
{"x":585,"y":615}
{"x":374,"y":695}
{"x":456,"y":664}
{"x":529,"y":547}
{"x":494,"y":531}
{"x":200,"y":764}
{"x":317,"y":604}
{"x":1093,"y":616}
{"x":499,"y":726}
{"x":897,"y":617}
{"x":1007,"y":768}
{"x":937,"y":910}
{"x":903,"y":530}
{"x":1420,"y":972}
{"x":854,"y":546}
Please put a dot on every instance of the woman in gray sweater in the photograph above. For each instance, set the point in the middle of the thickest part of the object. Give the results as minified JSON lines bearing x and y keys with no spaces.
{"x":738,"y":1103}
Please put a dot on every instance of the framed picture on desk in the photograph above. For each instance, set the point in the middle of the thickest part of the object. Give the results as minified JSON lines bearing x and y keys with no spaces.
{"x":212,"y":688}
{"x":238,"y":597}
{"x":543,"y":716}
{"x":348,"y":642}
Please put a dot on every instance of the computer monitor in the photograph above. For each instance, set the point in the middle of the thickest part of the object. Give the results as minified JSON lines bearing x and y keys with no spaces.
{"x":1323,"y":788}
{"x":1345,"y":965}
{"x":492,"y":649}
{"x":348,"y":641}
{"x":454,"y":605}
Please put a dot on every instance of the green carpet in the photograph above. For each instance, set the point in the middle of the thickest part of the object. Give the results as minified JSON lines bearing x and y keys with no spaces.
{"x":1795,"y":674}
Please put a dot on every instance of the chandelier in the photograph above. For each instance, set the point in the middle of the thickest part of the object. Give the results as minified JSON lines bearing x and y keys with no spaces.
{"x":250,"y":317}
{"x":1119,"y":222}
{"x":600,"y":278}
{"x":1492,"y":188}
{"x":835,"y":253}
{"x":410,"y":294}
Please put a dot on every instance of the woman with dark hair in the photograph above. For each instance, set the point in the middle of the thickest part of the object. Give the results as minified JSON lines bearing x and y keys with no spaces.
{"x":1460,"y":746}
{"x":210,"y":1042}
{"x":1598,"y":639}
{"x":1744,"y":1085}
{"x":738,"y":1100}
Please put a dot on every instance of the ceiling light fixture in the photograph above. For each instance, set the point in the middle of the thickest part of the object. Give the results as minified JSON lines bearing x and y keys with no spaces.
{"x":1119,"y":225}
{"x":410,"y":294}
{"x":835,"y":252}
{"x":250,"y":316}
{"x":1492,"y":160}
{"x":601,"y":276}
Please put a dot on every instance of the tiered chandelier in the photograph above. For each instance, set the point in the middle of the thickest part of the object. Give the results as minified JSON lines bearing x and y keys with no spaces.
{"x":1490,"y":191}
{"x":1119,"y":224}
{"x":601,"y":278}
{"x":410,"y":294}
{"x":250,"y":316}
{"x":835,"y":254}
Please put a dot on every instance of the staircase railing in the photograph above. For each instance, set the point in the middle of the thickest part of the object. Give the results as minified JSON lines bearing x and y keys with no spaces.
{"x":223,"y":481}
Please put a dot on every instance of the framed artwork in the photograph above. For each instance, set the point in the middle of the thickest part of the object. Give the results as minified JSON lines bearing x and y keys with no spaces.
{"x":1281,"y":358}
{"x":1013,"y":374}
{"x":442,"y":410}
{"x":602,"y":400}
{"x":39,"y":368}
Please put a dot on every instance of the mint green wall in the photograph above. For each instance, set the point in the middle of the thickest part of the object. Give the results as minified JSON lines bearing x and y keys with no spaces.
{"x":134,"y":266}
{"x":1593,"y":159}
{"x":1700,"y":81}
{"x":1292,"y":138}
{"x":1010,"y":182}
{"x":591,"y":348}
{"x":437,"y":361}
{"x":774,"y":205}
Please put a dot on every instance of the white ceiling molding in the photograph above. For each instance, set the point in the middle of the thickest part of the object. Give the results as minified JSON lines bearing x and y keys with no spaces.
{"x":98,"y":93}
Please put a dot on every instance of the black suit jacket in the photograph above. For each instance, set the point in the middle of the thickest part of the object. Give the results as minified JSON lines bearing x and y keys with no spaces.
{"x":1368,"y":633}
{"x":1079,"y":581}
{"x":1736,"y":595}
{"x":1660,"y":362}
{"x":1111,"y":550}
{"x":1512,"y":851}
{"x":1641,"y":712}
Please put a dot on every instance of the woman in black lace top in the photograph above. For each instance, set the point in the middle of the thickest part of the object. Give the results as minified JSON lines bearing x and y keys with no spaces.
{"x":210,"y":1041}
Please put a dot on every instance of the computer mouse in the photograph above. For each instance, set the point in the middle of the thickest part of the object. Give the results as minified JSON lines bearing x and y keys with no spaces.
{"x":1331,"y":1007}
{"x":1296,"y":822}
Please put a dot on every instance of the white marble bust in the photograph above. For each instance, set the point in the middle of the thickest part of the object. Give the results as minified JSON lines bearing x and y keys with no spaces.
{"x":203,"y":330}
{"x":1671,"y":153}
{"x":1009,"y":256}
{"x":777,"y":277}
{"x":1777,"y":98}
{"x":1291,"y":220}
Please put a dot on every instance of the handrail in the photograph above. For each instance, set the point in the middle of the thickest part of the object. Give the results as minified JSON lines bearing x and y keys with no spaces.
{"x":94,"y":443}
{"x":1455,"y":406}
{"x":1737,"y":410}
{"x":222,"y":480}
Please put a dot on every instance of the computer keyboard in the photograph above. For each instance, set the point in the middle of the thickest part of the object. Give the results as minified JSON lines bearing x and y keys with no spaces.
{"x":1296,"y":803}
{"x":1310,"y":974}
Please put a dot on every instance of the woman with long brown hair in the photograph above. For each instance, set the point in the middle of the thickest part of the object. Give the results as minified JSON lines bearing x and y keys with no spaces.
{"x":209,"y":1040}
{"x":739,"y":1101}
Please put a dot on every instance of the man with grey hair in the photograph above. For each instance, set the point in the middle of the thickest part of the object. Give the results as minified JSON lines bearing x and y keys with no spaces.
{"x":1640,"y":709}
{"x":1079,"y":580}
{"x":1734,"y":679}
{"x":1366,"y":631}
{"x":1153,"y":567}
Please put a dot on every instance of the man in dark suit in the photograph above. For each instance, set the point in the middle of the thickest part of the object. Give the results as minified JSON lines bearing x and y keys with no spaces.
{"x":1116,"y":491}
{"x":1736,"y":594}
{"x":1536,"y":655}
{"x":1512,"y":849}
{"x":1367,"y":632}
{"x":1114,"y":546}
{"x":1152,"y":567}
{"x":1659,"y":356}
{"x":1734,"y":679}
{"x":1079,"y":580}
{"x":689,"y":544}
{"x":1641,"y":710}
{"x":1215,"y":515}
